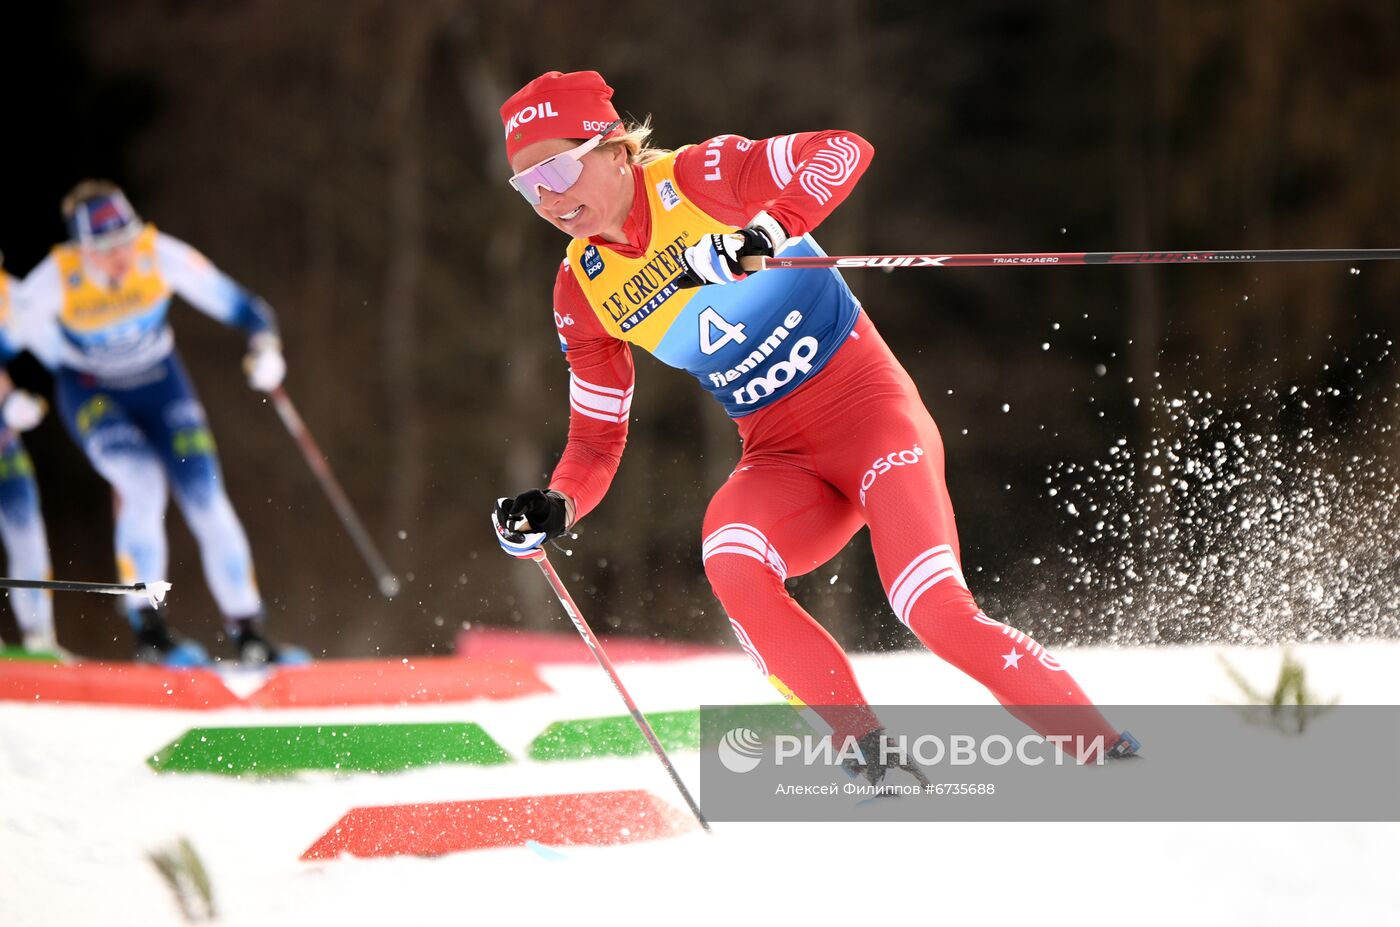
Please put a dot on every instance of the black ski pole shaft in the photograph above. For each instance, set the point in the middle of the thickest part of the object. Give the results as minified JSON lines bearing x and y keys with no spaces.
{"x":154,"y":590}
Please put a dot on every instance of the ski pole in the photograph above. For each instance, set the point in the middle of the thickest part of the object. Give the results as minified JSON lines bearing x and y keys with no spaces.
{"x":895,"y":261}
{"x":592,"y":641}
{"x":388,"y":582}
{"x":155,"y":590}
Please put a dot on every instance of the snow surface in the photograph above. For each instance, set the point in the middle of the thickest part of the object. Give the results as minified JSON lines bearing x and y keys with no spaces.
{"x":79,"y":809}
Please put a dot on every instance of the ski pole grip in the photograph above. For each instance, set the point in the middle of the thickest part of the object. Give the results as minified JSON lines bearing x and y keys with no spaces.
{"x":753,"y":262}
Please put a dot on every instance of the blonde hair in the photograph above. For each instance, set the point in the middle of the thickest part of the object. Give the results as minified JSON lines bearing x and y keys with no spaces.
{"x":85,"y":190}
{"x":634,"y":137}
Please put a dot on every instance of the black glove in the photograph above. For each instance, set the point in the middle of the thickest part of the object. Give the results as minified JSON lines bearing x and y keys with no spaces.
{"x":535,"y":511}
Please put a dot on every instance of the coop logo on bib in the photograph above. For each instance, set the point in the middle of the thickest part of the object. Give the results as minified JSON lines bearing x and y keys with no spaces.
{"x":670,"y":199}
{"x":782,"y":373}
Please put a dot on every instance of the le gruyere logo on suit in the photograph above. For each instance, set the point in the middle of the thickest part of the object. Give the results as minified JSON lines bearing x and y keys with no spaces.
{"x":641,"y":294}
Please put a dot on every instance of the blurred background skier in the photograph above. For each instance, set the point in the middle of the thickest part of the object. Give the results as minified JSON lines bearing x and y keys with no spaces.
{"x":21,"y":519}
{"x":100,"y":301}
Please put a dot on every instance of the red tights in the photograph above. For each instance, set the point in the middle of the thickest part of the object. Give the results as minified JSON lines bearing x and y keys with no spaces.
{"x":855,"y":446}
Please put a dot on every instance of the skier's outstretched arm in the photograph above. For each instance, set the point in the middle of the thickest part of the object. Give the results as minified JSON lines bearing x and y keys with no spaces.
{"x":211,"y":291}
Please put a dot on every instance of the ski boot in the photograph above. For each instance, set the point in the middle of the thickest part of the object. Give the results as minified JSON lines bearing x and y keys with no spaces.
{"x":156,"y":644}
{"x":255,"y":650}
{"x":874,"y":767}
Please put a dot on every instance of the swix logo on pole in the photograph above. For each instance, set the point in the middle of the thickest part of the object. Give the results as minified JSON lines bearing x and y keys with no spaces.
{"x":911,"y":260}
{"x":886,"y":464}
{"x":530,"y":114}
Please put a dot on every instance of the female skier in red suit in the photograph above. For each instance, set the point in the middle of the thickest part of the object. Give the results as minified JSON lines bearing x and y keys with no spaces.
{"x":834,"y":433}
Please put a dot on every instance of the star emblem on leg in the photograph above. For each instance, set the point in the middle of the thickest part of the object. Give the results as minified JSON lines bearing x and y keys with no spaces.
{"x":1012,"y":659}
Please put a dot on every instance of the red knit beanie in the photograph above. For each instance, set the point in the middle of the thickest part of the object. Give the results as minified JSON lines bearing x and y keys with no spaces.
{"x":555,"y":105}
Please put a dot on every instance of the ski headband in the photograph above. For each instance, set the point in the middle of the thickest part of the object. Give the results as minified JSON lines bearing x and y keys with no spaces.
{"x":104,"y":221}
{"x":556,"y":105}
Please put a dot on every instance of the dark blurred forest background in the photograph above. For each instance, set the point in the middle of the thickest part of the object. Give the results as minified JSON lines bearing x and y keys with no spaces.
{"x":345,"y":161}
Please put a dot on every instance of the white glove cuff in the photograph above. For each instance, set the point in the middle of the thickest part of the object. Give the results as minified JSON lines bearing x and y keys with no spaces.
{"x":21,"y":410}
{"x":772,"y":228}
{"x":264,"y":341}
